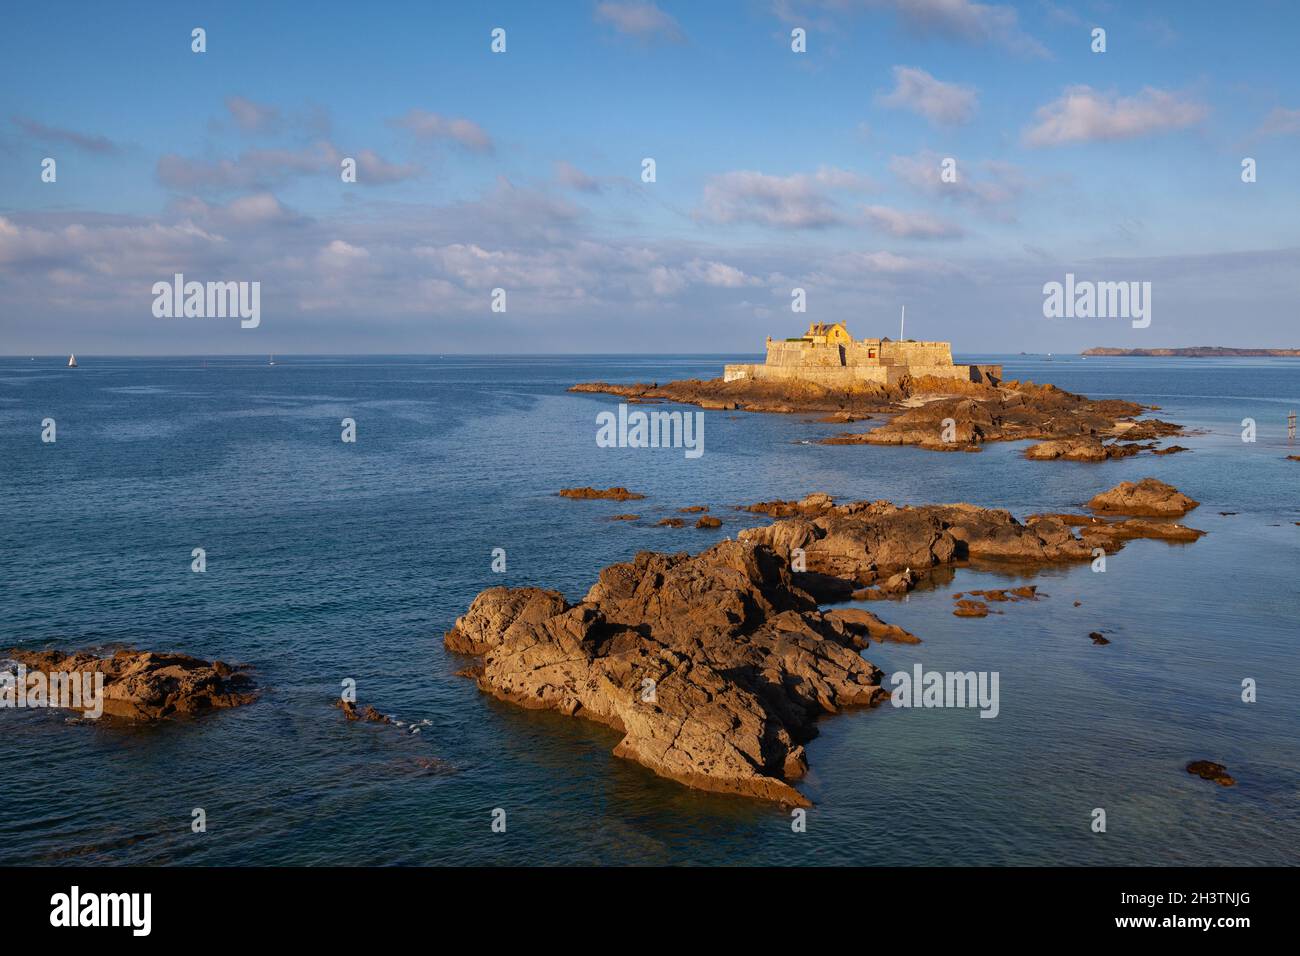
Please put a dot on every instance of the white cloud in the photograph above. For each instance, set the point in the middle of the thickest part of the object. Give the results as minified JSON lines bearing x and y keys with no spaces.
{"x":1082,"y":114}
{"x":1280,"y":122}
{"x":252,"y":117}
{"x":258,"y":168}
{"x":44,"y":133}
{"x":944,"y":104}
{"x":339,"y":254}
{"x":799,"y":201}
{"x":910,"y":225}
{"x":374,"y":170}
{"x":961,"y":20}
{"x":988,"y":183}
{"x":575,"y":178}
{"x":640,"y":19}
{"x":425,"y":125}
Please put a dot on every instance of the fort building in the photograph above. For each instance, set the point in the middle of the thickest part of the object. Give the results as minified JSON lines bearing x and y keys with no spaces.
{"x":828,"y":355}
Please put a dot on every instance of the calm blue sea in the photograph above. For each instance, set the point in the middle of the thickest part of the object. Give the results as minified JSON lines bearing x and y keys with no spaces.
{"x":329,"y":561}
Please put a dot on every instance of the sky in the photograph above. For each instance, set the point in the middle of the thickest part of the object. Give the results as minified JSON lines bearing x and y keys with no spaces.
{"x":524,"y":171}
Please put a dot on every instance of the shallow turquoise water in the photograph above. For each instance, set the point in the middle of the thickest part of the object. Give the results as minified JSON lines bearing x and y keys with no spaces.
{"x":328,"y":561}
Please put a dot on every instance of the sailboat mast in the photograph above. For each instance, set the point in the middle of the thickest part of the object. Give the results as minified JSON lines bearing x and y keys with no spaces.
{"x":902,"y":319}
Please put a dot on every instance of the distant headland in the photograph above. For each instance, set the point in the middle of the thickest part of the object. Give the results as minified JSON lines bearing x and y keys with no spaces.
{"x":1198,"y":351}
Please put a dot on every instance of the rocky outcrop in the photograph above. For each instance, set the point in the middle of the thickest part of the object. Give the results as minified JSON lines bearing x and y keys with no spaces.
{"x":617,"y":493}
{"x":861,"y":623}
{"x":367,"y":713}
{"x":1068,"y":449}
{"x":969,"y":607}
{"x":1001,"y":595}
{"x":1105,"y":533}
{"x":146,"y":685}
{"x":886,"y":549}
{"x":786,"y":397}
{"x":1092,"y":449}
{"x":713,"y":667}
{"x":1075,"y":428}
{"x":1146,"y":497}
{"x":813,"y":504}
{"x":708,"y":521}
{"x":932,"y":413}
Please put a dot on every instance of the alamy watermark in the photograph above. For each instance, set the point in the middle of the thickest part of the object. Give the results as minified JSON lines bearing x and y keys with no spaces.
{"x":1098,"y":300}
{"x":638,"y":429}
{"x":922,"y":688}
{"x":74,"y":908}
{"x":64,"y":690}
{"x":208,"y":300}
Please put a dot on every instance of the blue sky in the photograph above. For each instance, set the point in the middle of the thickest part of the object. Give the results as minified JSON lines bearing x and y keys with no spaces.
{"x":522,"y":170}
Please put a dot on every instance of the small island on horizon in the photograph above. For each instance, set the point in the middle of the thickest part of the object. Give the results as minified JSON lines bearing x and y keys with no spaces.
{"x":1197,"y":351}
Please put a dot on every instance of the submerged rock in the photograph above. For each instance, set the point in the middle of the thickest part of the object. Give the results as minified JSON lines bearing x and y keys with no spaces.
{"x":713,"y":667}
{"x":146,"y":685}
{"x":968,"y":608}
{"x":367,"y":713}
{"x":1208,"y":770}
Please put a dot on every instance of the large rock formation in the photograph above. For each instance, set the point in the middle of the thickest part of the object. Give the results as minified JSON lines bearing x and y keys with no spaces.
{"x":713,"y":667}
{"x":934,"y":413}
{"x":148,"y":686}
{"x":1076,"y":427}
{"x":756,"y":396}
{"x":1146,"y":497}
{"x":898,"y":547}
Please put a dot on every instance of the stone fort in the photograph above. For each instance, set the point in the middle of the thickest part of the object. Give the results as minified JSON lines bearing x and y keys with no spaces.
{"x":827,"y":355}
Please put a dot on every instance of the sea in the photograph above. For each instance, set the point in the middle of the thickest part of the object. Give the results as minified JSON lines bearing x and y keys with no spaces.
{"x":333,"y":563}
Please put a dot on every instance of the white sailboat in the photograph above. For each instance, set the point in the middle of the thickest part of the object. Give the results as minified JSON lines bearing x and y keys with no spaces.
{"x":72,"y":361}
{"x":271,"y":360}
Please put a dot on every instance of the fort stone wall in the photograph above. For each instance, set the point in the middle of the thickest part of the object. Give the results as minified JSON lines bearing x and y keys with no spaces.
{"x":847,"y":376}
{"x":828,"y":355}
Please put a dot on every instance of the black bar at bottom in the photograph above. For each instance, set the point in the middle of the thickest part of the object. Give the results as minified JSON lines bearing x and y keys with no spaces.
{"x":319,"y":903}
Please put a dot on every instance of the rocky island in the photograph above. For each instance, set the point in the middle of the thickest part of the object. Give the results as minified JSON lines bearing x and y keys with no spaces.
{"x":715,"y":667}
{"x":148,"y":686}
{"x":929,"y":401}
